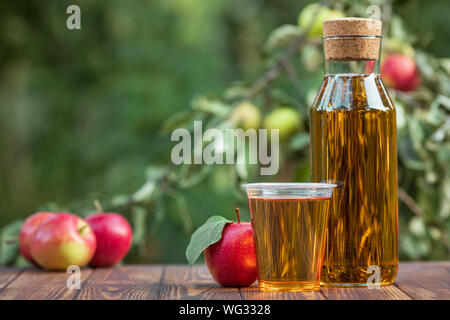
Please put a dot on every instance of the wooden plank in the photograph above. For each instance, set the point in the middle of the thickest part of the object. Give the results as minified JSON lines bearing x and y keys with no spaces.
{"x":124,"y":283}
{"x":390,"y":292}
{"x":37,"y":284}
{"x":425,"y":280}
{"x":7,"y":275}
{"x":253,"y":293}
{"x":417,"y":280}
{"x":193,"y":283}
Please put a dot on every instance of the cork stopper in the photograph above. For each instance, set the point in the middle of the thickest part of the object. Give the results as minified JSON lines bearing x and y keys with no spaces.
{"x":352,"y":39}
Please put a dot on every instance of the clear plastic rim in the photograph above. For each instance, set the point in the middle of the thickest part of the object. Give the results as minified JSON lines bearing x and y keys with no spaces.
{"x":290,"y":185}
{"x":290,"y":190}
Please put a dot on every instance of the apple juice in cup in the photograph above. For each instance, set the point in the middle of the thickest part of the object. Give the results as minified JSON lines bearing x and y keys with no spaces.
{"x":289,"y":223}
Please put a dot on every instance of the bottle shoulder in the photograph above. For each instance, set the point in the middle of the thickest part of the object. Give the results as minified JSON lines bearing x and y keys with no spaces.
{"x":342,"y":92}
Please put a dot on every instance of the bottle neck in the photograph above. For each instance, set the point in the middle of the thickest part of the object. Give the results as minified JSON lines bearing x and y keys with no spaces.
{"x":352,"y":67}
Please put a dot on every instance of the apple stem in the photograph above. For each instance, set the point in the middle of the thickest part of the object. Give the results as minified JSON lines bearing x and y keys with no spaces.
{"x":98,"y":206}
{"x":81,"y":229}
{"x":238,"y":215}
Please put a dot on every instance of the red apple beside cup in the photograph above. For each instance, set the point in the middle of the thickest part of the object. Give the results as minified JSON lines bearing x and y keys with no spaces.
{"x":232,"y":260}
{"x":228,"y":248}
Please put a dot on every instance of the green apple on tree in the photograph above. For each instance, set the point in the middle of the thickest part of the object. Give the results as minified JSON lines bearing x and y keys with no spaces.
{"x":308,"y":15}
{"x":286,"y":119}
{"x":246,"y":116}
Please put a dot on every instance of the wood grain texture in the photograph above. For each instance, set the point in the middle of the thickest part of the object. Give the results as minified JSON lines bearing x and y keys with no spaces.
{"x":416,"y":280}
{"x":424,"y":281}
{"x":390,"y":292}
{"x":36,"y":284}
{"x":193,"y":283}
{"x":124,"y":283}
{"x":7,"y":274}
{"x":253,"y":293}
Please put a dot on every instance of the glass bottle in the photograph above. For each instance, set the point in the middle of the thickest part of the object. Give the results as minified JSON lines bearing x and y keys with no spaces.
{"x":353,"y":145}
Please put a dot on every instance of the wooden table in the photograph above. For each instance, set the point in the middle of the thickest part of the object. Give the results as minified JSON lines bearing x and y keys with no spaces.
{"x":416,"y":280}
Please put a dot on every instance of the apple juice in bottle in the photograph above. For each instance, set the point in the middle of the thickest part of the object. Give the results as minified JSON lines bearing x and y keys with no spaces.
{"x":353,"y":145}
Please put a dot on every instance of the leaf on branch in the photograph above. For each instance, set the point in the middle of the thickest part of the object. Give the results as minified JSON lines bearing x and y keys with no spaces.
{"x":312,"y":57}
{"x":155,"y":172}
{"x":9,"y":251}
{"x":160,"y":212}
{"x":192,"y":179}
{"x":425,"y":64}
{"x":213,"y":106}
{"x":119,"y":200}
{"x":299,"y":141}
{"x":415,"y":247}
{"x":138,"y":218}
{"x":398,"y":30}
{"x":183,"y":212}
{"x":282,"y":37}
{"x":235,"y":92}
{"x":178,"y":120}
{"x":444,"y":101}
{"x":145,"y":192}
{"x":206,"y":235}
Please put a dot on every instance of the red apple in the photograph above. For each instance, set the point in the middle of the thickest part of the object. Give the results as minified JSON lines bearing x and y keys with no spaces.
{"x":114,"y":237}
{"x":62,"y":240}
{"x":232,"y":260}
{"x":27,"y":231}
{"x":400,"y":72}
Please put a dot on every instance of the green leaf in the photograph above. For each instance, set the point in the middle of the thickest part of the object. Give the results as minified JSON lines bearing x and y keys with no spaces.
{"x":138,"y":217}
{"x":282,"y":36}
{"x":417,"y":226}
{"x":311,"y":57}
{"x":159,"y":214}
{"x":9,"y":250}
{"x":443,"y":100}
{"x":206,"y":235}
{"x":195,"y":177}
{"x":145,"y":192}
{"x":155,"y":172}
{"x":214,"y":106}
{"x":178,"y":120}
{"x":235,"y":92}
{"x":415,"y":247}
{"x":119,"y":200}
{"x":183,"y":212}
{"x":299,"y":141}
{"x":21,"y":262}
{"x":398,"y":30}
{"x":425,"y":65}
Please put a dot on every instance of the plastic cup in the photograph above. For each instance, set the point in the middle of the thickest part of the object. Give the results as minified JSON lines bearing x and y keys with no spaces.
{"x":289,"y":223}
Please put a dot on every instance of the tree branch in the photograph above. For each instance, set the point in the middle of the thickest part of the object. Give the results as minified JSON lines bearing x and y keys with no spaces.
{"x":274,"y":72}
{"x":410,"y":203}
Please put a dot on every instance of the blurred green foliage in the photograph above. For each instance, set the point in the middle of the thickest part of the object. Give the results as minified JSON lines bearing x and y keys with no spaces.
{"x":87,"y":114}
